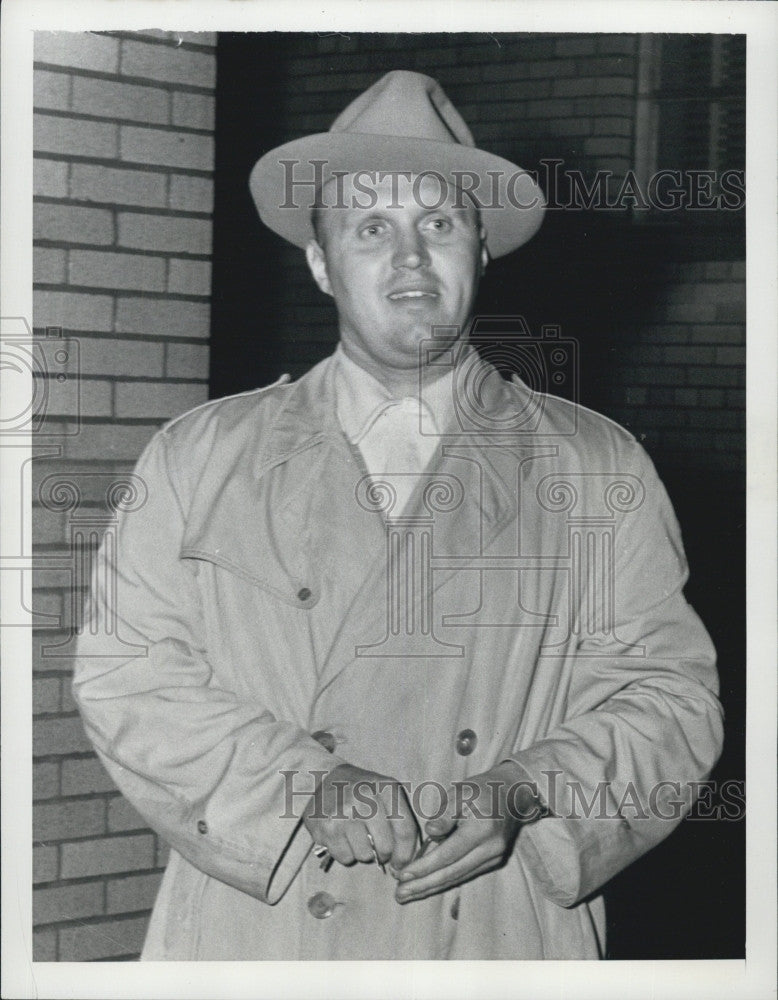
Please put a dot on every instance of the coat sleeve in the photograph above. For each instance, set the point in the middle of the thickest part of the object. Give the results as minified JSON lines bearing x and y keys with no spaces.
{"x":643,"y":721}
{"x":203,"y":766}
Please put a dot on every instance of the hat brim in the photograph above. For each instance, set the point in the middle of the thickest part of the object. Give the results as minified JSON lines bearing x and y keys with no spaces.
{"x":283,"y":182}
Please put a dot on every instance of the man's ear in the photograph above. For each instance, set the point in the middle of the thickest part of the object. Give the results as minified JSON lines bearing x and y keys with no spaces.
{"x":484,"y":251}
{"x":318,"y":266}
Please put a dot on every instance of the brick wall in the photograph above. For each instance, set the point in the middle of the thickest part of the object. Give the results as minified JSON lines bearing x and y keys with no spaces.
{"x":676,"y":377}
{"x":680,"y":380}
{"x":123,"y":147}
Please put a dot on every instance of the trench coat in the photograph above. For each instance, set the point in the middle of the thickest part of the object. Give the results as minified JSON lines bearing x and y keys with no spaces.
{"x":266,"y":632}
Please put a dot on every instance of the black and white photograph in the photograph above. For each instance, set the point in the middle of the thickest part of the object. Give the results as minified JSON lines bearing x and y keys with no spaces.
{"x":388,"y":508}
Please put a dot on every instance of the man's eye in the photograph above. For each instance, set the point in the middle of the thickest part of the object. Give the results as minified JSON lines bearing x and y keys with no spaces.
{"x":439,"y":225}
{"x":373,"y":230}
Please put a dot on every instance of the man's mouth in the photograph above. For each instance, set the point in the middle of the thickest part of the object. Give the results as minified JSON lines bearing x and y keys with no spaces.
{"x":412,"y":293}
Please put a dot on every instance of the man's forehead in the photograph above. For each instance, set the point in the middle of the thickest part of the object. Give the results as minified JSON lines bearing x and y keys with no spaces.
{"x":395,"y":190}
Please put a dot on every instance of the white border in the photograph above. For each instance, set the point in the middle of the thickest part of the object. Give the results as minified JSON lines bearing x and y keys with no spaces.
{"x":753,"y":979}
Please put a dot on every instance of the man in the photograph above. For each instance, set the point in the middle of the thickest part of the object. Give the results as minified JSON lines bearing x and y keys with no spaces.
{"x":410,"y":673}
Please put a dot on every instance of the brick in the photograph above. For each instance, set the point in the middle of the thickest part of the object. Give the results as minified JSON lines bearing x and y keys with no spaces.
{"x":718,"y":419}
{"x":44,"y":946}
{"x":48,"y":609}
{"x":44,"y":863}
{"x":45,"y":695}
{"x":190,"y":277}
{"x":165,"y":148}
{"x":122,"y":816}
{"x":111,"y":441}
{"x":137,"y":892}
{"x":67,"y":902}
{"x":686,"y":354}
{"x":45,"y":780}
{"x":74,"y":137}
{"x":577,"y":86}
{"x":44,"y":638}
{"x":158,"y":399}
{"x":65,"y":820}
{"x":607,"y":146}
{"x":736,"y":398}
{"x":163,"y":318}
{"x":123,"y":187}
{"x":153,"y":232}
{"x":103,"y":940}
{"x":48,"y":527}
{"x":68,"y":701}
{"x":48,"y":266}
{"x":72,"y":310}
{"x":612,"y":125}
{"x":114,"y":854}
{"x":573,"y":126}
{"x":49,"y":178}
{"x":710,"y":375}
{"x":59,"y":736}
{"x":686,"y":397}
{"x":117,"y":270}
{"x":193,"y":110}
{"x":84,"y":776}
{"x":163,"y":853}
{"x":550,"y":109}
{"x":187,"y":360}
{"x":613,"y":44}
{"x":77,"y":48}
{"x":107,"y":99}
{"x":50,"y":90}
{"x":171,"y":65}
{"x":617,"y":65}
{"x":711,"y":333}
{"x":121,"y":357}
{"x":575,"y":46}
{"x":193,"y":194}
{"x":609,"y":85}
{"x":690,"y":312}
{"x":730,"y":356}
{"x":93,"y":399}
{"x":72,"y":223}
{"x":730,"y":312}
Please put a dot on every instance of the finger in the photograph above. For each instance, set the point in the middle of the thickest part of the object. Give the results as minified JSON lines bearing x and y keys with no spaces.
{"x":381,"y":832}
{"x":440,"y":827}
{"x":461,"y":842}
{"x":446,"y":879}
{"x":405,"y":838}
{"x":339,"y":847}
{"x":356,"y":835}
{"x":403,"y":830}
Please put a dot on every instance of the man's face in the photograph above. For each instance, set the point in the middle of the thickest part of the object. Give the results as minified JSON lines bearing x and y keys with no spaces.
{"x":397,"y":269}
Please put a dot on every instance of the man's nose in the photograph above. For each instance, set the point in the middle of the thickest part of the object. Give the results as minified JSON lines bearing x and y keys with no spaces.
{"x":410,"y":251}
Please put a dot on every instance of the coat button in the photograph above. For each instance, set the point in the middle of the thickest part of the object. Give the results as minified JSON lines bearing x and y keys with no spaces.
{"x":202,"y":826}
{"x":466,"y":742}
{"x":326,"y":739}
{"x":303,"y":594}
{"x":455,"y":909}
{"x":321,"y":905}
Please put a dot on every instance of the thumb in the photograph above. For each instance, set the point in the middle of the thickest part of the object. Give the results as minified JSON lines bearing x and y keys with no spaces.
{"x":441,"y":826}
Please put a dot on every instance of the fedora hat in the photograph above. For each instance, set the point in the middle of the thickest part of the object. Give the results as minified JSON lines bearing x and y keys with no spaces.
{"x":403,"y":123}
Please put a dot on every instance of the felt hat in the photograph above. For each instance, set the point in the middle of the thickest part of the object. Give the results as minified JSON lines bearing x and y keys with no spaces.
{"x":403,"y":123}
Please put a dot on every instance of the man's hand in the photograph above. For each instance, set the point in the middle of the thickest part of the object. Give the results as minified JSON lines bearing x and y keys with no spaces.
{"x":477,"y":831}
{"x":351,"y":803}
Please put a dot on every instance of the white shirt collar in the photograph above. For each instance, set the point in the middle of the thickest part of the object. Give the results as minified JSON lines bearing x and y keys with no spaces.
{"x":361,"y":398}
